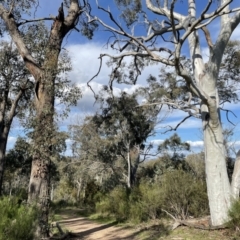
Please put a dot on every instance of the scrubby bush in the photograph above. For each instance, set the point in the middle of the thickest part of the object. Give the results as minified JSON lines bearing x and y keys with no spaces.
{"x":145,"y":202}
{"x":17,"y":221}
{"x":177,"y":192}
{"x":234,"y":216}
{"x":183,"y":195}
{"x":115,"y":204}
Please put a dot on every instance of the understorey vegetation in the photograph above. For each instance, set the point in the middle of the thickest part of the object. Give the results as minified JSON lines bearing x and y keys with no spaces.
{"x":124,"y":159}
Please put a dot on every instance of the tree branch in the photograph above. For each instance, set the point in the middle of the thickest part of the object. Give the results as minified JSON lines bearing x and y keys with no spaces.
{"x":35,"y":20}
{"x":12,"y":27}
{"x":176,"y":127}
{"x":163,"y":11}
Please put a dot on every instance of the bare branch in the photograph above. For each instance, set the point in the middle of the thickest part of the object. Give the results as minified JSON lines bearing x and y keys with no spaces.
{"x":169,"y":214}
{"x":163,"y":11}
{"x":13,"y":30}
{"x":208,"y":37}
{"x":99,"y":69}
{"x":35,"y":20}
{"x":176,"y":127}
{"x":135,"y":40}
{"x":220,"y":9}
{"x":227,"y":111}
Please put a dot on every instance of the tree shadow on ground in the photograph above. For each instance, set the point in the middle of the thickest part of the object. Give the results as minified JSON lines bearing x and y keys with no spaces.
{"x":150,"y":233}
{"x":95,"y":229}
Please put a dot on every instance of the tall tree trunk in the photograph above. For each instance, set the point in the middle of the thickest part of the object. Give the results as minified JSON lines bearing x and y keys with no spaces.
{"x":2,"y":162}
{"x":39,"y":186}
{"x":218,"y":186}
{"x":79,"y":188}
{"x":129,"y":176}
{"x":3,"y":145}
{"x":235,"y":184}
{"x":52,"y":192}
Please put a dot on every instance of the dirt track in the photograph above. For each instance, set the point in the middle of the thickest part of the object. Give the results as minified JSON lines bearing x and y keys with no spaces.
{"x":89,"y":230}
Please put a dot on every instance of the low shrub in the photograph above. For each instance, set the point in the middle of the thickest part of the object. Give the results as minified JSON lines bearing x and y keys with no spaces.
{"x":115,"y":204}
{"x":17,"y":221}
{"x":234,"y":216}
{"x":145,"y":202}
{"x":177,"y":192}
{"x":183,"y":195}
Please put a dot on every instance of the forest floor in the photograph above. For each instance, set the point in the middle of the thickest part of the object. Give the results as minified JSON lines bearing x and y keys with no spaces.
{"x":87,"y":229}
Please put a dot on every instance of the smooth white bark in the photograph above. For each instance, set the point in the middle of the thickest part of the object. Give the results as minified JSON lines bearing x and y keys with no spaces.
{"x":235,"y":185}
{"x":218,"y":187}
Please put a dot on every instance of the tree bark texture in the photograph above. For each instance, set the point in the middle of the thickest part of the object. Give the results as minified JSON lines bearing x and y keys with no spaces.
{"x":39,"y":186}
{"x":218,"y":186}
{"x":205,"y":75}
{"x":3,"y":143}
{"x":5,"y":125}
{"x":235,"y":185}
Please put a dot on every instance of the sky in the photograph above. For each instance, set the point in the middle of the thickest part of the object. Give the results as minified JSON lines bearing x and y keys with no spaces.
{"x":85,"y":62}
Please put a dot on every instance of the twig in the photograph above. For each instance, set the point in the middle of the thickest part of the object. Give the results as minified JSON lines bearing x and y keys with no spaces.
{"x":36,"y":20}
{"x":226,"y":110}
{"x":174,"y":129}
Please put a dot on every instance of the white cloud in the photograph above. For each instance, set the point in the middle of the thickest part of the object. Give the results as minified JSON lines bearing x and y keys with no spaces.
{"x":189,"y":123}
{"x":194,"y":144}
{"x":157,"y":142}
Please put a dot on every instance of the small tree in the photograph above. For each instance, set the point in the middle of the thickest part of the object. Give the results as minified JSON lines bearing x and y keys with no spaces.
{"x":122,"y":128}
{"x":15,"y":92}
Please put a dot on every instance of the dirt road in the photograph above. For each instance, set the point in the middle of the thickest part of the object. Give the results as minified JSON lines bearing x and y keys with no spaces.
{"x":89,"y":230}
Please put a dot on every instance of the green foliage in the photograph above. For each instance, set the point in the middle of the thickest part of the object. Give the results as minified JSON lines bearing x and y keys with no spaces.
{"x":17,"y":221}
{"x":130,"y":10}
{"x":115,"y":203}
{"x":178,"y":193}
{"x":234,"y":215}
{"x":183,"y":195}
{"x":91,"y":193}
{"x":175,"y":145}
{"x":145,"y":202}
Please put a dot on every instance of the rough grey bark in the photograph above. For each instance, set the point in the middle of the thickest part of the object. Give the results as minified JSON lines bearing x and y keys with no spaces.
{"x":5,"y":125}
{"x":2,"y":161}
{"x":39,"y":186}
{"x":133,"y":164}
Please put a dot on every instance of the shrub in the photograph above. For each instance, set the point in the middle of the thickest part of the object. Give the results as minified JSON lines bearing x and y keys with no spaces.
{"x":234,"y":216}
{"x":177,"y":192}
{"x":16,"y":220}
{"x":115,"y":204}
{"x":145,"y":202}
{"x":183,"y":195}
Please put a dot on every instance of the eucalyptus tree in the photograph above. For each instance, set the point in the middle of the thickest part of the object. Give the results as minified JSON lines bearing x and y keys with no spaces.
{"x":44,"y":73}
{"x":167,"y":30}
{"x":130,"y":126}
{"x":118,"y":134}
{"x":15,"y":93}
{"x":17,"y":168}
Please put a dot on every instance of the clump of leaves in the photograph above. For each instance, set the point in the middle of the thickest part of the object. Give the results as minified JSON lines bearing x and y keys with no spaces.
{"x":184,"y":195}
{"x":115,"y":204}
{"x":234,"y":216}
{"x":17,"y":221}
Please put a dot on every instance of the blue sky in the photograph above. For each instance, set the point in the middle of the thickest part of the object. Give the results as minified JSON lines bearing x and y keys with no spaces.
{"x":84,"y":54}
